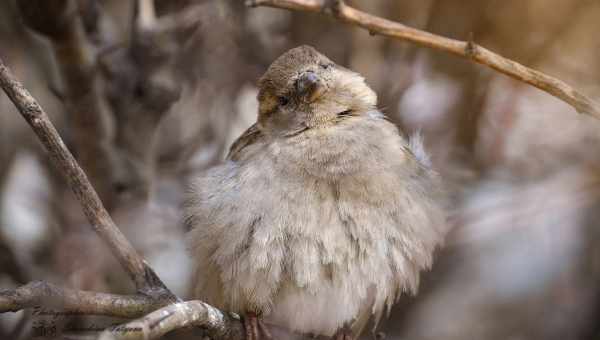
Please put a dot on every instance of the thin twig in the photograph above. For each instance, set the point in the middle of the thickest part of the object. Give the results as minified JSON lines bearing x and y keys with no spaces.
{"x":144,"y":278}
{"x":466,"y":49}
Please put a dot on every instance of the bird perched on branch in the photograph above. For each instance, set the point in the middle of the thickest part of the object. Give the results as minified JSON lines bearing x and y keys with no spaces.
{"x":322,"y":214}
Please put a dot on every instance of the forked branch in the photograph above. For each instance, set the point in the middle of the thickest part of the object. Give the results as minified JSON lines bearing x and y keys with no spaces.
{"x":152,"y":293}
{"x":144,"y":278}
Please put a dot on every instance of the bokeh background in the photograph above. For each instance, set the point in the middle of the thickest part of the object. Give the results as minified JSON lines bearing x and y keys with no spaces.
{"x":146,"y":105}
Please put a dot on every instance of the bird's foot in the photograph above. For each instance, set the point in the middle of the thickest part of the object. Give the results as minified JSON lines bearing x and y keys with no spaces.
{"x":343,"y":333}
{"x":256,"y":328}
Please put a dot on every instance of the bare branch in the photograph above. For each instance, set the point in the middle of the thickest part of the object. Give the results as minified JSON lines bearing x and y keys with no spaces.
{"x":49,"y":298}
{"x":179,"y":315}
{"x":466,"y":49}
{"x":77,"y":302}
{"x":144,"y":278}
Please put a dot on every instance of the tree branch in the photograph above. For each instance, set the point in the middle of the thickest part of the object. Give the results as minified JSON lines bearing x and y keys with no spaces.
{"x":71,"y":301}
{"x":466,"y":49}
{"x":157,"y":316}
{"x":144,"y":278}
{"x":153,"y":293}
{"x":155,"y":97}
{"x":179,"y":315}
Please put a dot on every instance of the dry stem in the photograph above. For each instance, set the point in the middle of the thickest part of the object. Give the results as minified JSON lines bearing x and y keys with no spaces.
{"x":466,"y":49}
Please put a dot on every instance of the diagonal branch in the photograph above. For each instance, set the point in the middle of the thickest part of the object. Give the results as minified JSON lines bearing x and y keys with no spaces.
{"x":466,"y":49}
{"x":144,"y":278}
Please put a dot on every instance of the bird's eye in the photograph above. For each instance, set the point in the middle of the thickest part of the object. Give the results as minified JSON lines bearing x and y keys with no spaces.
{"x":325,"y":66}
{"x":283,"y":101}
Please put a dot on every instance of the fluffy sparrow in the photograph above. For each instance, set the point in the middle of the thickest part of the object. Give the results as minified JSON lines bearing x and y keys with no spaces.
{"x":322,"y":213}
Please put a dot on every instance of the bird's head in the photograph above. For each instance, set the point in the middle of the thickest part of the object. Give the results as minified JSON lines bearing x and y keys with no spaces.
{"x":303,"y":89}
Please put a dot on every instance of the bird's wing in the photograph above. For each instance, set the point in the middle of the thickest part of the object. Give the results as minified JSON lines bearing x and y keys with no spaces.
{"x":249,"y":137}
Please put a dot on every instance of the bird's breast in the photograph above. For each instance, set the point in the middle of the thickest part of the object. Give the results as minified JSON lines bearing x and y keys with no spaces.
{"x":356,"y":146}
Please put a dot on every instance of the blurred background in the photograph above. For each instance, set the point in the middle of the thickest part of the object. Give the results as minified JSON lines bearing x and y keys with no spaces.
{"x":148,"y":95}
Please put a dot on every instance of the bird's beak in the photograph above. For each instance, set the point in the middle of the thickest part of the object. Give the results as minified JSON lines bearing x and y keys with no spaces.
{"x":310,"y":87}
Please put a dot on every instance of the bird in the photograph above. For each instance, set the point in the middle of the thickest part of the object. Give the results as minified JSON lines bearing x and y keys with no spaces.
{"x":322,"y":214}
